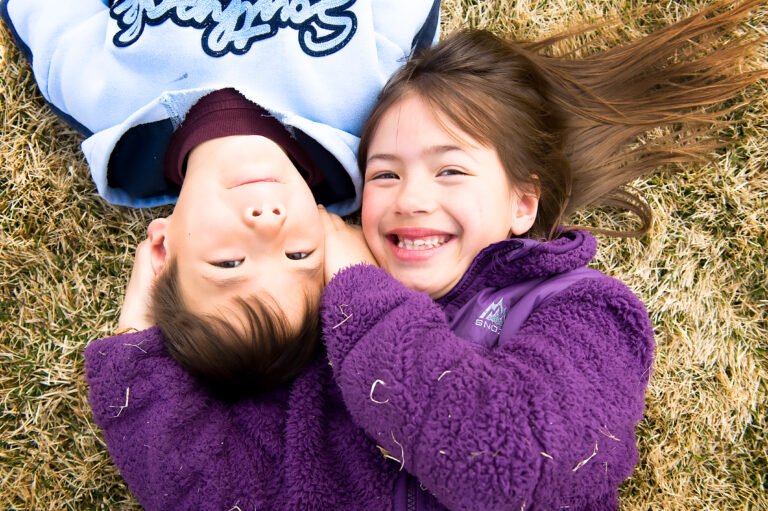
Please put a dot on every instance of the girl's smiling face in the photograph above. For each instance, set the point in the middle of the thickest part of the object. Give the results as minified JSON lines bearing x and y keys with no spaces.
{"x":434,"y":198}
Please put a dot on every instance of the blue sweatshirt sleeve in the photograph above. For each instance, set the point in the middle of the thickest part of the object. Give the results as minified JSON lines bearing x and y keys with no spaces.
{"x":545,"y":421}
{"x":98,"y":66}
{"x":125,"y":76}
{"x":44,"y":31}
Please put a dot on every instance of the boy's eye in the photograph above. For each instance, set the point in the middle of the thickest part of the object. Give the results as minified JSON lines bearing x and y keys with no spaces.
{"x":297,"y":256}
{"x":228,"y":264}
{"x":451,"y":172}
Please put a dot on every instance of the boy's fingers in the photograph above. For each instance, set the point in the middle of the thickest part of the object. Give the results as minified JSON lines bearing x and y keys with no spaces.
{"x":325,"y":218}
{"x":143,"y":256}
{"x":330,"y":221}
{"x":143,"y":248}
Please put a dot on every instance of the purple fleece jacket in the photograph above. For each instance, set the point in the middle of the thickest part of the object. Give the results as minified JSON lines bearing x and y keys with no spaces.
{"x":532,"y":405}
{"x":179,"y":447}
{"x":540,"y":416}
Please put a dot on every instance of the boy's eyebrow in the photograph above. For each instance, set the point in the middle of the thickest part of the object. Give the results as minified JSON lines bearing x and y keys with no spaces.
{"x":225,"y":281}
{"x":429,"y":151}
{"x":307,"y":272}
{"x":310,"y":272}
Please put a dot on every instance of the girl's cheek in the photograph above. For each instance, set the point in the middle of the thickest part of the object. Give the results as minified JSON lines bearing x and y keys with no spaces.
{"x":370,"y":215}
{"x":374,"y":203}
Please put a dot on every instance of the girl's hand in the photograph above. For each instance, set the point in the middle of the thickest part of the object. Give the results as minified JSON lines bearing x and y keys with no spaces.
{"x":344,"y":244}
{"x":134,"y":314}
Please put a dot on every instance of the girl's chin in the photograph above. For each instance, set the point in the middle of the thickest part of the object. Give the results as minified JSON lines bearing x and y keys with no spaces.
{"x":423,"y":283}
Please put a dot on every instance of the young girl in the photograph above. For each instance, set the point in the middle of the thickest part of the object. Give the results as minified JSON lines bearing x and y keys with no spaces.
{"x":521,"y":387}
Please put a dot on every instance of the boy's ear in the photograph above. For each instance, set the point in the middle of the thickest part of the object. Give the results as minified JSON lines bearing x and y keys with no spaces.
{"x":157,"y":236}
{"x":524,"y":214}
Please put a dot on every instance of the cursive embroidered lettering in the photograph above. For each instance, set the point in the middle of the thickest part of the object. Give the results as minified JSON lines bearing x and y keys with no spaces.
{"x":232,"y":26}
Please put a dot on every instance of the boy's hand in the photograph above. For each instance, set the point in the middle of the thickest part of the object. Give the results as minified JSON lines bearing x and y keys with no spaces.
{"x":344,"y":244}
{"x":135,"y":311}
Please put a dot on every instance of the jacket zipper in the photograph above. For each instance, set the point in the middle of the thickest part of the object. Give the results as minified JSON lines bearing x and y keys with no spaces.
{"x":410,"y":502}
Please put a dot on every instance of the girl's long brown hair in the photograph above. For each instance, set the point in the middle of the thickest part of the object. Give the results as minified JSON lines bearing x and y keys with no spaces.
{"x":574,"y":127}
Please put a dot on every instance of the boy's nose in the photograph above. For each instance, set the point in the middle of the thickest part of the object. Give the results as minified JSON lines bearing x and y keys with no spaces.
{"x":267,"y":219}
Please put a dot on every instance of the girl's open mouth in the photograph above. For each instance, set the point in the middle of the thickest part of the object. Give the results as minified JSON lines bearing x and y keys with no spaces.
{"x":410,"y":248}
{"x":418,"y":243}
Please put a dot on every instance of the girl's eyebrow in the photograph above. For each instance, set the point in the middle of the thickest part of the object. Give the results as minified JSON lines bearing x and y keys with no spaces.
{"x":429,"y":151}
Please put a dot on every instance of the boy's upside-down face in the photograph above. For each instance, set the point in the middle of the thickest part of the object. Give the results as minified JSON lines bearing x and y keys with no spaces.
{"x":246,"y":223}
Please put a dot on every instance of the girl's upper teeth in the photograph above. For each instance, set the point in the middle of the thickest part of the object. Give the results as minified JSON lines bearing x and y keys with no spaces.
{"x":421,"y":243}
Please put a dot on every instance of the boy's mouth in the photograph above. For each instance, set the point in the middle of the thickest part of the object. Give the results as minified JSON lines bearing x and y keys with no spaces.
{"x":256,"y":180}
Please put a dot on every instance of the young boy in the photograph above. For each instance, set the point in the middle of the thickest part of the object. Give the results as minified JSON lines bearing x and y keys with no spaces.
{"x":239,"y":262}
{"x":245,"y":114}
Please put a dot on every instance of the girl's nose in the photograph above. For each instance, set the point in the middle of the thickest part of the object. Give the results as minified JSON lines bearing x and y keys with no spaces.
{"x":415,"y":198}
{"x":267,"y":219}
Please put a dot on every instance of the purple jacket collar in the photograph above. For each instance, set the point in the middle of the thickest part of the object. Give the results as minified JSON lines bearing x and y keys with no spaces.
{"x":518,"y":260}
{"x":508,"y":280}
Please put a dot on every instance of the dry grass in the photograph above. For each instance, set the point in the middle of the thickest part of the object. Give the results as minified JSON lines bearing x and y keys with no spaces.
{"x":65,"y":254}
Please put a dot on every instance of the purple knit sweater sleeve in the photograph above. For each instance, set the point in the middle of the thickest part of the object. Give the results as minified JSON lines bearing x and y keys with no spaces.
{"x":544,"y":422}
{"x":176,"y":447}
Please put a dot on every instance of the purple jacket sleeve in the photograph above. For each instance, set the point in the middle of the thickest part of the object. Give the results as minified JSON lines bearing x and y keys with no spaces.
{"x":545,"y":421}
{"x":176,"y":446}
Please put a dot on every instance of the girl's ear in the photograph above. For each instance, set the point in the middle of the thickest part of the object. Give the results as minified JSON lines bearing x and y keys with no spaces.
{"x":157,"y":236}
{"x":524,"y":209}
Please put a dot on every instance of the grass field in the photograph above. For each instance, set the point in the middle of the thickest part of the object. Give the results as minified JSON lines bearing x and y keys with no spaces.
{"x":65,"y":257}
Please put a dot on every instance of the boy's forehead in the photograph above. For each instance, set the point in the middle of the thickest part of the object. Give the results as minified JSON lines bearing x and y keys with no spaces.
{"x":287,"y":287}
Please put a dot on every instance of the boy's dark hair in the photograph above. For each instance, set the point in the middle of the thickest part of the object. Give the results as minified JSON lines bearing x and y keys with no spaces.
{"x":233,"y":361}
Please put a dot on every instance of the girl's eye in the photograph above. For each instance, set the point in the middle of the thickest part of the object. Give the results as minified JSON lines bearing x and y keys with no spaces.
{"x":297,"y":256}
{"x":384,"y":175}
{"x":228,"y":264}
{"x":451,"y":172}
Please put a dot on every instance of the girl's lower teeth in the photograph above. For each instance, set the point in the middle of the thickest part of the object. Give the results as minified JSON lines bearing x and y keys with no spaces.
{"x":418,"y":244}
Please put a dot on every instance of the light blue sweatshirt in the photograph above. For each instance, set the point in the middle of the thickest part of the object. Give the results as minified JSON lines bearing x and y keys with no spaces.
{"x":125,"y":74}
